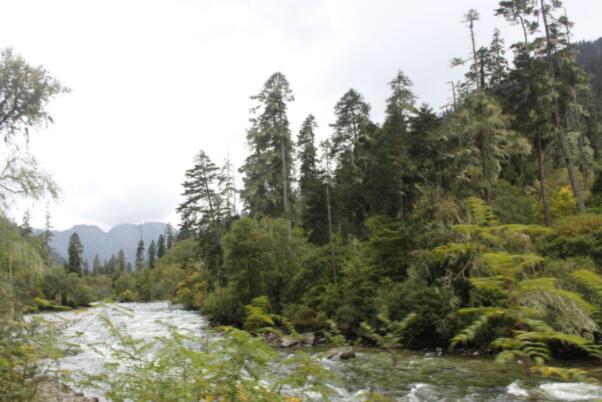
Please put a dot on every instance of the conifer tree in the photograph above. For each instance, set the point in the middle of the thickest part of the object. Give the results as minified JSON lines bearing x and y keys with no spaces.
{"x":152,"y":251}
{"x":47,"y":239}
{"x":497,"y":66}
{"x":391,"y":161}
{"x":75,"y":251}
{"x":25,"y":228}
{"x":120,"y":262}
{"x":140,"y":260}
{"x":169,"y":236}
{"x":96,"y":265}
{"x":267,"y":170}
{"x":555,"y":42}
{"x":161,"y":246}
{"x":202,"y":206}
{"x":227,"y":189}
{"x":311,"y":186}
{"x":352,"y":132}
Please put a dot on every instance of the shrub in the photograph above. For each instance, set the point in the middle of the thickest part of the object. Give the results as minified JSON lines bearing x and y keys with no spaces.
{"x":575,"y":236}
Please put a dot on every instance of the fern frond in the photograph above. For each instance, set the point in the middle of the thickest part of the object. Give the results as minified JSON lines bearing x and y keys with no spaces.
{"x":477,"y":327}
{"x":481,"y":211}
{"x":590,"y":280}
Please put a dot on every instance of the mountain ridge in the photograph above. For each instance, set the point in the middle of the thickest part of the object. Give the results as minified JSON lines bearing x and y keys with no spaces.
{"x":124,"y":236}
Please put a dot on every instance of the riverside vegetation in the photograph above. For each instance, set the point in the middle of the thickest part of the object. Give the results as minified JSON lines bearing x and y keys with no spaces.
{"x":475,"y":229}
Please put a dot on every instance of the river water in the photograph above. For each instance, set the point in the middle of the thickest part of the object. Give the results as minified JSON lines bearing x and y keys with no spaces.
{"x":415,"y":377}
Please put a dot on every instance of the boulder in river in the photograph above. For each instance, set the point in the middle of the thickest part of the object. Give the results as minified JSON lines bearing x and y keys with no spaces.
{"x":340,"y":353}
{"x":309,"y":338}
{"x":287,"y":341}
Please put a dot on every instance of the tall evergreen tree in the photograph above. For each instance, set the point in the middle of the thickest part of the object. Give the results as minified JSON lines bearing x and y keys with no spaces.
{"x":311,"y":185}
{"x":267,"y":170}
{"x":227,"y":190}
{"x":202,"y":206}
{"x":169,"y":236}
{"x":556,"y":41}
{"x":161,"y":246}
{"x":120,"y":261}
{"x":350,"y":142}
{"x":47,"y":239}
{"x":25,"y":228}
{"x":152,"y":252}
{"x":140,"y":260}
{"x":74,"y":252}
{"x":392,"y":183}
{"x":96,"y":265}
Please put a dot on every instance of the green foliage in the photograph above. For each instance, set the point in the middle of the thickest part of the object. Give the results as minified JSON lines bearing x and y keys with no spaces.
{"x":234,"y":366}
{"x":28,"y":353}
{"x":257,"y":315}
{"x":390,"y":334}
{"x":575,"y":236}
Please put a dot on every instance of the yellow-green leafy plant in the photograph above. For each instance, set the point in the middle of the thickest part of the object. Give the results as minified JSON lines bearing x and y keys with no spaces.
{"x":531,"y":316}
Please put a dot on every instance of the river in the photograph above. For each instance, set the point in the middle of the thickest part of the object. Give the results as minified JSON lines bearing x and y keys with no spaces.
{"x":415,"y":377}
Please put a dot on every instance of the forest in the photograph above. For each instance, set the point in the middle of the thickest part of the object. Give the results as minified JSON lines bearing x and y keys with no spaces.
{"x":472,"y":229}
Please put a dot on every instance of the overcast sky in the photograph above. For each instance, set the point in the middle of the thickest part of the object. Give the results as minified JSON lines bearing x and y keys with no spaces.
{"x":155,"y":81}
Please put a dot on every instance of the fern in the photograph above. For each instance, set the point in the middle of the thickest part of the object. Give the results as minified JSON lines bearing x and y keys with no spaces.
{"x":481,"y":212}
{"x":257,"y":315}
{"x":590,"y":280}
{"x":476,"y":328}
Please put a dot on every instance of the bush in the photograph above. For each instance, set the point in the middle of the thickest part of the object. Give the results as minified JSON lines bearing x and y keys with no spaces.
{"x":431,"y":327}
{"x":127,"y":296}
{"x":575,"y":236}
{"x":223,"y":306}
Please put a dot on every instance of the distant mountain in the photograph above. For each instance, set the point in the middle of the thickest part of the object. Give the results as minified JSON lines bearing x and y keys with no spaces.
{"x":95,"y":241}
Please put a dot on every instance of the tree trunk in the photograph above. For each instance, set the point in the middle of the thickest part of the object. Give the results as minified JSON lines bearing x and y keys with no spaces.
{"x":285,"y":188}
{"x":474,"y":56}
{"x":542,"y":177}
{"x":330,"y":237}
{"x":564,"y":144}
{"x":484,"y":167}
{"x":11,"y":308}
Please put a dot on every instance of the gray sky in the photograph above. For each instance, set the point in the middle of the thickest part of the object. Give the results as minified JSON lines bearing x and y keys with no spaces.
{"x":154,"y":81}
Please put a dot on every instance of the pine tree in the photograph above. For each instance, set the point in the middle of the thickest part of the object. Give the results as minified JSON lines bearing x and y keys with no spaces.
{"x":96,"y":265}
{"x":555,"y":42}
{"x":201,"y":210}
{"x":227,"y":190}
{"x":120,"y":262}
{"x":140,"y":260}
{"x":267,"y":170}
{"x":311,"y":185}
{"x":152,"y":251}
{"x":161,"y":246}
{"x":75,"y":251}
{"x":352,"y":132}
{"x":497,"y":66}
{"x":25,"y":228}
{"x":47,"y":239}
{"x":391,"y":180}
{"x":169,"y":236}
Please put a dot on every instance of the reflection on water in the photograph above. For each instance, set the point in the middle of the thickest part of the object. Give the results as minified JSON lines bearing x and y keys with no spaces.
{"x":409,"y":377}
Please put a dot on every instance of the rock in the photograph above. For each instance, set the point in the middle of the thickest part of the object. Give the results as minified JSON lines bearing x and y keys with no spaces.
{"x":348,"y":354}
{"x":340,"y":353}
{"x":272,"y":338}
{"x":289,"y":341}
{"x":321,"y":340}
{"x":309,"y":338}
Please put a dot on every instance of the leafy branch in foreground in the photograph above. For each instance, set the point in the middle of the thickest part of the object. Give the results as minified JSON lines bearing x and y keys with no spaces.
{"x":231,"y":365}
